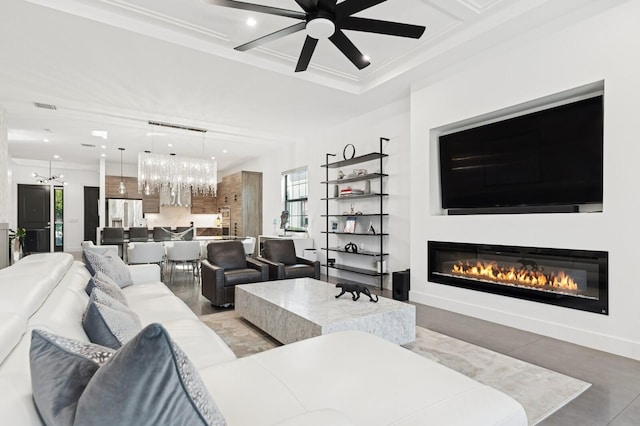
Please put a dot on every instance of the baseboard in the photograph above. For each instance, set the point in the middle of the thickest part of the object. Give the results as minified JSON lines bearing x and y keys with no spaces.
{"x":606,"y":343}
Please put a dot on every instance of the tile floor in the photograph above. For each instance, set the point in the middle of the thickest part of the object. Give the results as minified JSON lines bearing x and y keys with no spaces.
{"x":613,"y":398}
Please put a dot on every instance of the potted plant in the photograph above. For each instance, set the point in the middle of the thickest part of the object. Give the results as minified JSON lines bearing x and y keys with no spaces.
{"x":16,"y":243}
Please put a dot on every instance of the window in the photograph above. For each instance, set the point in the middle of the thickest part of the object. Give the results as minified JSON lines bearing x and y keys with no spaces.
{"x":295,"y":188}
{"x":58,"y":194}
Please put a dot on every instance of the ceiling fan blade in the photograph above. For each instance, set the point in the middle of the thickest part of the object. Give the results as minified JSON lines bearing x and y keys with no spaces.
{"x":273,"y":36}
{"x":307,"y":5}
{"x":307,"y":51}
{"x":382,"y":27}
{"x":327,"y":5}
{"x":350,"y":51}
{"x":349,"y":7}
{"x":258,"y":8}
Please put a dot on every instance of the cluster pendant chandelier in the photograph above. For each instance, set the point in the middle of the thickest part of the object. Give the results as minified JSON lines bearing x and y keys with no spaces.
{"x":157,"y":172}
{"x":172,"y":173}
{"x":122,"y":188}
{"x":51,"y":179}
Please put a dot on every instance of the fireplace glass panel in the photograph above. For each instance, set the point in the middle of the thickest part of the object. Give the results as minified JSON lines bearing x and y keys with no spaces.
{"x":571,"y":278}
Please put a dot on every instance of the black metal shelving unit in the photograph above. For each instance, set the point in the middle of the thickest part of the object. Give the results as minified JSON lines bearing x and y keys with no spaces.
{"x":380,"y":234}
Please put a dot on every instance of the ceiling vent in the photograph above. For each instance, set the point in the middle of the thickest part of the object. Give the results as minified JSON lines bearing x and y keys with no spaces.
{"x":44,"y":106}
{"x":177,"y":126}
{"x":88,"y":145}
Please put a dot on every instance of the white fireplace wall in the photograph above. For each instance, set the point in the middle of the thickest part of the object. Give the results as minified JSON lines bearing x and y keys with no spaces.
{"x":600,"y":48}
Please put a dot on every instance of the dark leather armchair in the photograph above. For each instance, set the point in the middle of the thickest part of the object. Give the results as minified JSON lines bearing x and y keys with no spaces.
{"x":225,"y":266}
{"x":280,"y":256}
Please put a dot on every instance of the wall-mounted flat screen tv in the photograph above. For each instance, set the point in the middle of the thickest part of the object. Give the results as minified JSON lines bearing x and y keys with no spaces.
{"x":551,"y":157}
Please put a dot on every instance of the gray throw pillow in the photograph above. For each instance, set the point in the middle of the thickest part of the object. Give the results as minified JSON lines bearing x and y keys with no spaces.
{"x":108,"y":322}
{"x":149,"y":381}
{"x":87,"y":264}
{"x":107,"y":285}
{"x":60,"y":371}
{"x":111,"y":265}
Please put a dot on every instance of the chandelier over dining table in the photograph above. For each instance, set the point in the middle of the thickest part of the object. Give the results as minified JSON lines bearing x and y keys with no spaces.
{"x":159,"y":172}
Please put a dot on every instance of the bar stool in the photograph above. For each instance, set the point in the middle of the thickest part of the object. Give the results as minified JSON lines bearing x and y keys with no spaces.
{"x":114,"y":236}
{"x":188,"y":236}
{"x":161,"y":234}
{"x":138,"y":234}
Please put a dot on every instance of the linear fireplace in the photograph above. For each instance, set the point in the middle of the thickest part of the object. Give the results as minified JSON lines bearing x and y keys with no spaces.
{"x":574,"y":279}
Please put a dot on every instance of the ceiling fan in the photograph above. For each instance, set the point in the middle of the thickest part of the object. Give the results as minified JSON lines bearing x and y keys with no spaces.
{"x":325,"y":19}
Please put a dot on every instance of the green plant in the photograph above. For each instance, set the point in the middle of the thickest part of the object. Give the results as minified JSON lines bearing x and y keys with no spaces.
{"x":19,"y":233}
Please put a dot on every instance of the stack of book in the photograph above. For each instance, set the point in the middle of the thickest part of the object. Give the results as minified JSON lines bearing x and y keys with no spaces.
{"x":350,"y":191}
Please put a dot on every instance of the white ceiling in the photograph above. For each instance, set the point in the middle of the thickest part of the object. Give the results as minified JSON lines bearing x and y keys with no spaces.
{"x":115,"y":64}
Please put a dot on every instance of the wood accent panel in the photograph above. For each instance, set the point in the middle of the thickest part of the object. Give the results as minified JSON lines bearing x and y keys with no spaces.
{"x":209,"y":232}
{"x":251,"y":204}
{"x":203,"y":204}
{"x":131,"y":183}
{"x":151,"y":203}
{"x":242,"y":192}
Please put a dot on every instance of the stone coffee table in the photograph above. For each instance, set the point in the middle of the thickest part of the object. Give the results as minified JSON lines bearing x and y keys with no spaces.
{"x":292,"y":310}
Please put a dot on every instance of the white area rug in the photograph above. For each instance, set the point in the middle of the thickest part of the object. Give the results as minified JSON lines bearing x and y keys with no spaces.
{"x":540,"y":391}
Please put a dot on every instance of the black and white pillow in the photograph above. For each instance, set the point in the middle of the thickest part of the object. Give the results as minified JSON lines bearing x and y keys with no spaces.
{"x":107,"y":285}
{"x":151,"y":382}
{"x":60,"y":371}
{"x":111,"y":265}
{"x":108,"y":322}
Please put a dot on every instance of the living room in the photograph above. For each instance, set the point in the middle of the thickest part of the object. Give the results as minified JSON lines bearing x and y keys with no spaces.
{"x":593,"y":47}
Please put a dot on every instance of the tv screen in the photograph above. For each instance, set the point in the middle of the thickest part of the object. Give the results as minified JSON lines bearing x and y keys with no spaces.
{"x":547,"y":158}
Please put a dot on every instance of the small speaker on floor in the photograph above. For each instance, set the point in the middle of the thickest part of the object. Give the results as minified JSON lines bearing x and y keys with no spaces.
{"x":401,"y":285}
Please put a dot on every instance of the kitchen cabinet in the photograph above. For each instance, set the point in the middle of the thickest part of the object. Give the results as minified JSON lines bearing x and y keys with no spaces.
{"x":242,"y":193}
{"x":131,"y":184}
{"x":203,"y":204}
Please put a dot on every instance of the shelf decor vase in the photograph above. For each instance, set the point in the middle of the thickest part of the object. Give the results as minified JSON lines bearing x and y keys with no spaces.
{"x":16,"y":250}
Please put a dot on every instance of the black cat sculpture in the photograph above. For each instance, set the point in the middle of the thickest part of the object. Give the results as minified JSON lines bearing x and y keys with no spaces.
{"x":355,"y":291}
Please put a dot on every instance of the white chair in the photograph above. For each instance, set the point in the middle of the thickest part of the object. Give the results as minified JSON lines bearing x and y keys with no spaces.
{"x":140,"y":253}
{"x":249,"y":244}
{"x":102,"y":249}
{"x":187,"y":252}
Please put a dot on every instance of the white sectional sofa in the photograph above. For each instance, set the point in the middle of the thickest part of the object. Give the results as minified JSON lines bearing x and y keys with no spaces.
{"x":347,"y":378}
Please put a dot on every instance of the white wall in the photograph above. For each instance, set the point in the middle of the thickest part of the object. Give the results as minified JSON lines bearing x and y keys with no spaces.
{"x":5,"y":173}
{"x":600,"y":48}
{"x":77,"y":176}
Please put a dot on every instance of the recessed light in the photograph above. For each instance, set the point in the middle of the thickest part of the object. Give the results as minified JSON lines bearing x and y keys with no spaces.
{"x":103,"y":155}
{"x":100,"y":134}
{"x":45,"y":140}
{"x":224,"y":150}
{"x":103,"y":146}
{"x":213,"y":158}
{"x":366,"y":57}
{"x":170,"y":145}
{"x":251,"y":22}
{"x":57,"y":157}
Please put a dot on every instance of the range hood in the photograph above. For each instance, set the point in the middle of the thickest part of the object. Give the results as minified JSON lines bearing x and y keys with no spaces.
{"x":177,"y":197}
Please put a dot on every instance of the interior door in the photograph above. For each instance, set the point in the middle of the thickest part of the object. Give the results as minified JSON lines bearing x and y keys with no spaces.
{"x":34,"y":215}
{"x":91,"y":218}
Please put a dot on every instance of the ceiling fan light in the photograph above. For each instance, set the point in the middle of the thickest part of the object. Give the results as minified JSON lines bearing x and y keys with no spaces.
{"x":320,"y":28}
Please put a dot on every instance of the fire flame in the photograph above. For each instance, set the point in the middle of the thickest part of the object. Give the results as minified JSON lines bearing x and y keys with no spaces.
{"x":531,"y":278}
